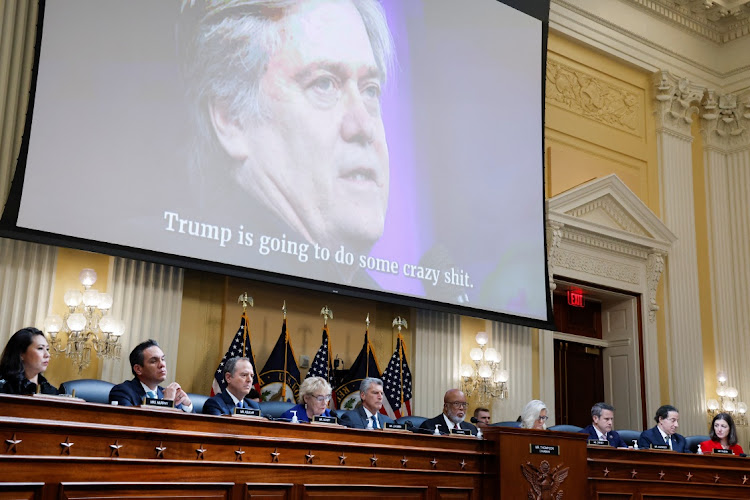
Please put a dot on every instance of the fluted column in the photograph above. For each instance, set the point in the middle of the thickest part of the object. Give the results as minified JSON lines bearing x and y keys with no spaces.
{"x":513,"y":342}
{"x":677,"y":101}
{"x":437,"y":359}
{"x":724,"y":126}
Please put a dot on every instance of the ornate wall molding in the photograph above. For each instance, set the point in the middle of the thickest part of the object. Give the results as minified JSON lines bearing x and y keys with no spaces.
{"x":594,"y":240}
{"x":615,"y":211}
{"x":605,"y":268}
{"x":725,"y":120}
{"x":654,"y":270}
{"x":587,"y":95}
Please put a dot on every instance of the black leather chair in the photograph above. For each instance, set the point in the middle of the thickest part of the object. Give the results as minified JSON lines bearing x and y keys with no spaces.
{"x":507,"y":423}
{"x":565,"y":428}
{"x":274,"y":408}
{"x":413,"y":419}
{"x":692,"y":442}
{"x":629,"y":436}
{"x":88,"y":389}
{"x":198,"y":401}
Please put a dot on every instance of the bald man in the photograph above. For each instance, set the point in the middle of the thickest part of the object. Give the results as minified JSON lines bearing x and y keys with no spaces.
{"x":454,"y":412}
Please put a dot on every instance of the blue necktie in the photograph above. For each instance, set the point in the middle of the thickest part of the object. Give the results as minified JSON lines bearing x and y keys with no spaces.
{"x":374,"y":421}
{"x":240,"y":404}
{"x":152,"y":395}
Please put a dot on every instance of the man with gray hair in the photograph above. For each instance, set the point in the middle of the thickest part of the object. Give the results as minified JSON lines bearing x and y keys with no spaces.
{"x":371,"y":394}
{"x":601,"y":428}
{"x":239,"y":375}
{"x":286,"y":106}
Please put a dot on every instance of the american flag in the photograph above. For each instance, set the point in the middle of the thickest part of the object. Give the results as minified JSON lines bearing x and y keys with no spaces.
{"x":322,"y":365}
{"x":397,"y":384}
{"x":240,"y":346}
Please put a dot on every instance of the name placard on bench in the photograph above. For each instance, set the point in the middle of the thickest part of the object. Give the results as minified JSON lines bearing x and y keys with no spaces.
{"x":159,"y":403}
{"x":320,"y":419}
{"x":544,"y":449}
{"x":247,"y":412}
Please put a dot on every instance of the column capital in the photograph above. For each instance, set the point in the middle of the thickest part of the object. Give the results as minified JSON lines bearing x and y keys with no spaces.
{"x":725,"y":120}
{"x":677,"y":99}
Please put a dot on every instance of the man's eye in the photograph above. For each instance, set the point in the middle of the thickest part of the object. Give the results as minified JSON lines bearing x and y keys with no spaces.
{"x":323,"y":84}
{"x":371,"y":91}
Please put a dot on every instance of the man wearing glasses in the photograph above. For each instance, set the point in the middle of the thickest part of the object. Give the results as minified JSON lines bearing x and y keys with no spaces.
{"x":452,"y":418}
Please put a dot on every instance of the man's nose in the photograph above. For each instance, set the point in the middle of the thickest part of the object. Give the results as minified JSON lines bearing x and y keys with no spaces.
{"x":358,"y":124}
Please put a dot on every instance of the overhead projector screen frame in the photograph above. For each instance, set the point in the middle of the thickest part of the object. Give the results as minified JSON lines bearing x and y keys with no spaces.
{"x":9,"y":224}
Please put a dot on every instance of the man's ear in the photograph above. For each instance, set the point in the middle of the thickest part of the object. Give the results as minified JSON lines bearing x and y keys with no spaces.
{"x":227,"y":376}
{"x":229,"y":131}
{"x":138,"y":369}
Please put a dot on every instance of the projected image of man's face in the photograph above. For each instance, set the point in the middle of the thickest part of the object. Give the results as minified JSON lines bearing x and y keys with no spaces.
{"x":319,"y":156}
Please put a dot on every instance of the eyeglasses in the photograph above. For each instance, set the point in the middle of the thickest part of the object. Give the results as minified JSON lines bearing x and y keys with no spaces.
{"x":321,"y":398}
{"x":543,"y":418}
{"x":458,"y":404}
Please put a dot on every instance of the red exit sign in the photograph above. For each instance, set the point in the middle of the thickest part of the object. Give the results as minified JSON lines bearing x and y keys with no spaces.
{"x":575,"y":298}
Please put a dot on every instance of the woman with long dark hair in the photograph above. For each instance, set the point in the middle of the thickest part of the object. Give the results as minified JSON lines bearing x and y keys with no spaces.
{"x":23,"y":361}
{"x":723,"y":435}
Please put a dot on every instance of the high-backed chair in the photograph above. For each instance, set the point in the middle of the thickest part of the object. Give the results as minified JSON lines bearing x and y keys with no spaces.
{"x":413,"y":419}
{"x":507,"y":423}
{"x":198,"y":401}
{"x":565,"y":428}
{"x":629,"y":436}
{"x":274,"y":408}
{"x":88,"y":389}
{"x":692,"y":442}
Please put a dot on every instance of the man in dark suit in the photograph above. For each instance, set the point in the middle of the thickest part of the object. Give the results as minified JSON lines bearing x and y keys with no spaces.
{"x":371,"y":394}
{"x":148,"y":364}
{"x":665,"y":432}
{"x":603,"y":420}
{"x":454,"y":411}
{"x":238,"y":372}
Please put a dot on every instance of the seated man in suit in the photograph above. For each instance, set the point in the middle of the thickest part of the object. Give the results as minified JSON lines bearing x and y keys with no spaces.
{"x":148,"y":365}
{"x":665,"y":432}
{"x":454,"y":411}
{"x":239,"y":375}
{"x":481,"y":417}
{"x":603,"y":417}
{"x":371,"y":394}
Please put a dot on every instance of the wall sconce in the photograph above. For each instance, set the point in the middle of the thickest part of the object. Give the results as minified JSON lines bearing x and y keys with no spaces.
{"x":86,"y":325}
{"x":727,"y":402}
{"x":485,"y":378}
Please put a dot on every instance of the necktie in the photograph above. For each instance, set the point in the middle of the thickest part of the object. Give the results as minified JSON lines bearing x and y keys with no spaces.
{"x":240,"y":404}
{"x":374,"y":420}
{"x":152,"y":394}
{"x":669,"y":442}
{"x":458,"y":426}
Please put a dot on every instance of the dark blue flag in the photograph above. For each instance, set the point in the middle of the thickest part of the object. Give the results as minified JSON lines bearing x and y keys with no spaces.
{"x":280,"y":376}
{"x":364,"y":366}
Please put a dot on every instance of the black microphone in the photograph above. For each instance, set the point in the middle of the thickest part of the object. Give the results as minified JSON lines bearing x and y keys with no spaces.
{"x":474,"y":420}
{"x":409,"y":425}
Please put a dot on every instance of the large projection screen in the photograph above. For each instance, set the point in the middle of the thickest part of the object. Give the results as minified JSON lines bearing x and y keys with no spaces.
{"x":391,"y":148}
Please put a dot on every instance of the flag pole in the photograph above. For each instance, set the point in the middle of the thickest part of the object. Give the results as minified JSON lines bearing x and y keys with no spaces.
{"x":286,"y":350}
{"x":245,"y":300}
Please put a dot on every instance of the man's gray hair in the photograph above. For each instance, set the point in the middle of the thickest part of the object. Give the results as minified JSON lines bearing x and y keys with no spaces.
{"x":227,"y":55}
{"x":596,"y":410}
{"x":367,"y":382}
{"x":231,"y":364}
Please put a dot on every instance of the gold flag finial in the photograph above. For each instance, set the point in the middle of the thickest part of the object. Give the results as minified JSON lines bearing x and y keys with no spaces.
{"x":399,"y":322}
{"x":326,"y":313}
{"x":283,"y":309}
{"x":367,"y":320}
{"x":245,"y":301}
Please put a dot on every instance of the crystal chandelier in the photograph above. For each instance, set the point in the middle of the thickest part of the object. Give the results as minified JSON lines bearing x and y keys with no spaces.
{"x":86,"y":326}
{"x":727,"y":402}
{"x":485,"y":378}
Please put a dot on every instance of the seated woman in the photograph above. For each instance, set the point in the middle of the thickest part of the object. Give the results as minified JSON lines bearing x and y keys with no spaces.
{"x":23,"y":361}
{"x":314,"y":395}
{"x":723,"y":435}
{"x":534,"y":415}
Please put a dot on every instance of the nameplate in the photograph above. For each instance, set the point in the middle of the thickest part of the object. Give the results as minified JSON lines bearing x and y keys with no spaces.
{"x":321,"y":419}
{"x":246,"y":412}
{"x":599,"y":442}
{"x":660,"y":447}
{"x":159,"y":403}
{"x":393,"y":426}
{"x":461,"y":432}
{"x":544,"y":449}
{"x":722,"y":451}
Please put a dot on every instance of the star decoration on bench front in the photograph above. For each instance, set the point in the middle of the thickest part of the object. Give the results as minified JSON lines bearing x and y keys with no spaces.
{"x":200,"y":452}
{"x":342,"y":459}
{"x":403,"y":462}
{"x":434,"y":463}
{"x":744,"y":479}
{"x":114,"y":449}
{"x":65,"y":447}
{"x":238,"y":454}
{"x":633,"y":474}
{"x":716,"y":478}
{"x":689,"y":476}
{"x":12,"y":442}
{"x":309,"y":457}
{"x":462,"y":463}
{"x":373,"y":460}
{"x":275,"y":455}
{"x":606,"y":472}
{"x":662,"y":474}
{"x":160,"y":450}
